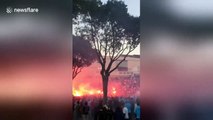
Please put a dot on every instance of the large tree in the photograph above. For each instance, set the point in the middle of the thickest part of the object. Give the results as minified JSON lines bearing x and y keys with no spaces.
{"x":83,"y":55}
{"x":113,"y":33}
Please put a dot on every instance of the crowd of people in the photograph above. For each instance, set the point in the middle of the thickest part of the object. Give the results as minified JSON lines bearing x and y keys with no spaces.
{"x":116,"y":108}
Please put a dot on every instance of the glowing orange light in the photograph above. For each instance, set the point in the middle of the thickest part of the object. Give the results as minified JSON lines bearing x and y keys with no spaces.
{"x":85,"y":90}
{"x":91,"y":92}
{"x":114,"y":91}
{"x":77,"y":93}
{"x":99,"y":92}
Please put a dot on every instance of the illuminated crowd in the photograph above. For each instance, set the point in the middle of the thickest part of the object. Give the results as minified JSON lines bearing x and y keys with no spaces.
{"x":116,"y":108}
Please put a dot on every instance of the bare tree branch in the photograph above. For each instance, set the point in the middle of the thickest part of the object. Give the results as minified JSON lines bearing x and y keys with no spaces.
{"x":113,"y":69}
{"x":76,"y":71}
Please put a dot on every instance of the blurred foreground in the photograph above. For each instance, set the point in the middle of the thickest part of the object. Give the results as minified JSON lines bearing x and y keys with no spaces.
{"x":176,"y":64}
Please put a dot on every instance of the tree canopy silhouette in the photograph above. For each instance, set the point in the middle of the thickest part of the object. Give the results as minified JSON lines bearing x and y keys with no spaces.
{"x":84,"y":6}
{"x":83,"y":55}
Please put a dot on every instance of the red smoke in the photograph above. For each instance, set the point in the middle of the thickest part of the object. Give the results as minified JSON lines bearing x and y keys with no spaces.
{"x":89,"y":83}
{"x":82,"y":87}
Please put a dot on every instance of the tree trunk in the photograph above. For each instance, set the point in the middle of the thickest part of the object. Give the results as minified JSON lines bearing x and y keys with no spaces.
{"x":105,"y":88}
